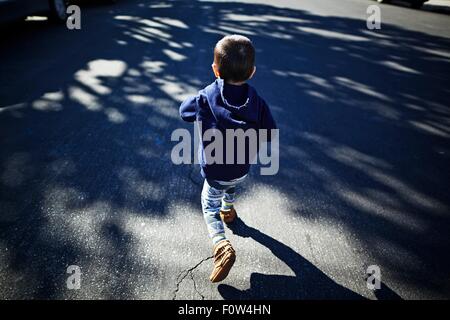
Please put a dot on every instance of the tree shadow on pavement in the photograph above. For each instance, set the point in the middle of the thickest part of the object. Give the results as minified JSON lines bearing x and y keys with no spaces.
{"x":86,"y":118}
{"x":309,"y":282}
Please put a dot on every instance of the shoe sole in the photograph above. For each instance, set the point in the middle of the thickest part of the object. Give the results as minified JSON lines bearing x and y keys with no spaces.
{"x":221,"y":273}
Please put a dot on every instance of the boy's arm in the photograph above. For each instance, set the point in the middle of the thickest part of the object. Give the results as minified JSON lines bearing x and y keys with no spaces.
{"x":188,"y":109}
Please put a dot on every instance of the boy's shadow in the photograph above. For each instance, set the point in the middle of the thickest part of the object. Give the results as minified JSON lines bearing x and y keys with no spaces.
{"x":308,"y":283}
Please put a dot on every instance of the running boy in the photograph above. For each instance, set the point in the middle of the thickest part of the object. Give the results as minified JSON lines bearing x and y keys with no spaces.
{"x":227,"y":103}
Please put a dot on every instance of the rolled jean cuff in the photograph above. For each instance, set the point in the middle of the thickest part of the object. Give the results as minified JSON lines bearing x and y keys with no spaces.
{"x":218,"y":237}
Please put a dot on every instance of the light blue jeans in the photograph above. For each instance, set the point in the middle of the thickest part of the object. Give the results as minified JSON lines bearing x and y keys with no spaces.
{"x":217,"y":195}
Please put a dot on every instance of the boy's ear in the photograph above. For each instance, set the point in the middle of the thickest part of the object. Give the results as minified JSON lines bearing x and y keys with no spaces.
{"x":215,"y":70}
{"x":254,"y":70}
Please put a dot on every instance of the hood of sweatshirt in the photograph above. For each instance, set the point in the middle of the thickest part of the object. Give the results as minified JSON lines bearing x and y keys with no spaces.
{"x":228,"y":115}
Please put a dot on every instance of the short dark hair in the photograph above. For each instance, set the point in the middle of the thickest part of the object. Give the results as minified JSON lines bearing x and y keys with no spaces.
{"x":234,"y":56}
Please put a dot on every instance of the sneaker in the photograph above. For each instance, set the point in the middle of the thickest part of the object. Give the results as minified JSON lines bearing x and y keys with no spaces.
{"x":228,"y":216}
{"x":224,"y":257}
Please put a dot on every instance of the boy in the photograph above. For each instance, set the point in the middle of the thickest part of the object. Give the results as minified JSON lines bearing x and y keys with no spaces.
{"x":228,"y":103}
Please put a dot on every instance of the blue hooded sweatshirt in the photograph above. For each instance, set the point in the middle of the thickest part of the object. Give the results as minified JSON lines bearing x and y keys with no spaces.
{"x":224,"y":106}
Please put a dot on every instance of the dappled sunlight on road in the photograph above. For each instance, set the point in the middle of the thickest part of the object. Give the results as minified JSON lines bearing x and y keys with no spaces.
{"x":87,"y":171}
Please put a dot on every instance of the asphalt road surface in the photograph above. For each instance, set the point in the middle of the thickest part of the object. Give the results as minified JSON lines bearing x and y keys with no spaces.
{"x":86,"y":177}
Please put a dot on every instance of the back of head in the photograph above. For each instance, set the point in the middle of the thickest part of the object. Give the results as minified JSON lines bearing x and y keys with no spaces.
{"x":234,"y":57}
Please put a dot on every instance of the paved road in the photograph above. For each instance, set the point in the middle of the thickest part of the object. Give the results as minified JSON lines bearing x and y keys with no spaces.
{"x":86,"y":177}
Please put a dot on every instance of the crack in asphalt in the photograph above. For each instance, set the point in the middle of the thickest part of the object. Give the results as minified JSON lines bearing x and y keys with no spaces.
{"x":195,"y":286}
{"x":183,"y":274}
